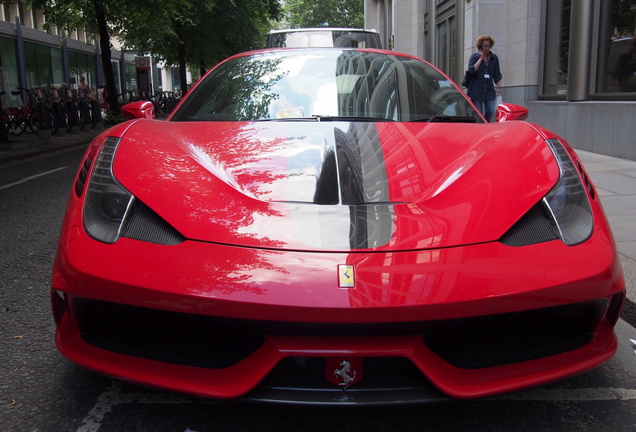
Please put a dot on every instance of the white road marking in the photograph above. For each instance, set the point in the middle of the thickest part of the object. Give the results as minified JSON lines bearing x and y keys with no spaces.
{"x":113,"y":396}
{"x":570,"y":395}
{"x":31,"y":178}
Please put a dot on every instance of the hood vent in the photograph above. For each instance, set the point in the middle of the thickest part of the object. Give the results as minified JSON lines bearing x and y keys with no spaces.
{"x":146,"y":225}
{"x":534,"y":227}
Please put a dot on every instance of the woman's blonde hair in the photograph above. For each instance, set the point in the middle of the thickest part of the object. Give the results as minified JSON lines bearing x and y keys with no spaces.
{"x":480,"y":40}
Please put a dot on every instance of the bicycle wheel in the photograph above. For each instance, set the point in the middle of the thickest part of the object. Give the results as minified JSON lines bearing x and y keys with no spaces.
{"x":159,"y":113}
{"x":8,"y":124}
{"x":82,"y":121}
{"x":54,"y":123}
{"x":67,"y":122}
{"x":34,"y":122}
{"x":19,"y":124}
{"x":94,"y":118}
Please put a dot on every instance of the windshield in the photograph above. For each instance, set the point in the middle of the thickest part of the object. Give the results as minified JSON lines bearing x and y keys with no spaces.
{"x":325,"y":84}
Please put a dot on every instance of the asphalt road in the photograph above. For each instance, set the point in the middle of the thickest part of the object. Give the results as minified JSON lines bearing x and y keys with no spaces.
{"x":41,"y":391}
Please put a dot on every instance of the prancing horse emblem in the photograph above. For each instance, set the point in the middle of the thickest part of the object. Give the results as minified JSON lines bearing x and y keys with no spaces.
{"x":346,"y":276}
{"x":343,"y":373}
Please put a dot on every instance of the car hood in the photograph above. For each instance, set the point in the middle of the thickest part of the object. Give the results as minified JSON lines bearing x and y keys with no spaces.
{"x":336,"y":186}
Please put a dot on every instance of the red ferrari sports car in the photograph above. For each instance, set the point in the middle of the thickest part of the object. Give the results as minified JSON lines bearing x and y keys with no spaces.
{"x":334,"y":226}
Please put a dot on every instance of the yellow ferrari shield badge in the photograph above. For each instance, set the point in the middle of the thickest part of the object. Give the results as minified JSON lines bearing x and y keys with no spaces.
{"x":346,"y":276}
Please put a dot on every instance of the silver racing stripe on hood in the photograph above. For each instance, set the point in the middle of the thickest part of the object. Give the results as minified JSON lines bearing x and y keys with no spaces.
{"x":361,"y":166}
{"x":350,"y":188}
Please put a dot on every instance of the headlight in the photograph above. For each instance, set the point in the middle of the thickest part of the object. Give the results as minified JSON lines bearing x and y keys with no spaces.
{"x":568,"y":201}
{"x":107,"y":202}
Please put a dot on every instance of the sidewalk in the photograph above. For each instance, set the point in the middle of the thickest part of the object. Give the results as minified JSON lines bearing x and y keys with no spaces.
{"x":28,"y":145}
{"x":614,"y":178}
{"x":615,"y":182}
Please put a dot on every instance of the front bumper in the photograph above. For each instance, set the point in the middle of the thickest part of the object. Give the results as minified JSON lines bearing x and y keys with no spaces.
{"x":224,"y":322}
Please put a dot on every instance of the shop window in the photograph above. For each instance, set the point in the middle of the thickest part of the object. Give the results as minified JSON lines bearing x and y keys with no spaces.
{"x":176,"y":79}
{"x":82,"y":65}
{"x":131,"y":76}
{"x":616,"y":67}
{"x":44,"y":65}
{"x":9,"y":71}
{"x":446,"y":52}
{"x":116,"y":68}
{"x":56,"y":64}
{"x":557,"y":43}
{"x":38,"y":65}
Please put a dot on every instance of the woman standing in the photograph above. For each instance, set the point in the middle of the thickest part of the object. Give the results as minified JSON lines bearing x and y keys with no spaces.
{"x":484,"y":70}
{"x":86,"y":88}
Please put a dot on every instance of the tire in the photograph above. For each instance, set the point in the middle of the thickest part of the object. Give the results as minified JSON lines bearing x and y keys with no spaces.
{"x":19,"y":125}
{"x":82,"y":121}
{"x":9,"y":122}
{"x":6,"y":118}
{"x":67,"y":122}
{"x":93,"y":119}
{"x":54,"y":124}
{"x":34,"y":121}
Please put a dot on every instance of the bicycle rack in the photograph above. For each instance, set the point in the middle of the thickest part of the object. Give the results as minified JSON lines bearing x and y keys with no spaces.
{"x":73,"y":112}
{"x":57,"y":107}
{"x":44,"y":120}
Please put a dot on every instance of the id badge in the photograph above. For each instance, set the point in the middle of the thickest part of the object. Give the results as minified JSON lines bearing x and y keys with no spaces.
{"x":487,"y":76}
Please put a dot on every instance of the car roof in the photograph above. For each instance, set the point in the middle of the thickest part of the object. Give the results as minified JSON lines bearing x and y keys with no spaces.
{"x":308,"y":29}
{"x":278,"y":50}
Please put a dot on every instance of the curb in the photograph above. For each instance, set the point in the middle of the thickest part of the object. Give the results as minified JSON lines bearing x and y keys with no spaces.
{"x":22,"y":148}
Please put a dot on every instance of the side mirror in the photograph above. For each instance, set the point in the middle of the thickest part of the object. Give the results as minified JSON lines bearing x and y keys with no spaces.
{"x":140,"y":109}
{"x":508,"y":111}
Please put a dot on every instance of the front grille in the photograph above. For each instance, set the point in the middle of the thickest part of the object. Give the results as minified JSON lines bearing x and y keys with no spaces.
{"x":214,"y":342}
{"x":178,"y":338}
{"x":496,"y":340}
{"x":302,"y":381}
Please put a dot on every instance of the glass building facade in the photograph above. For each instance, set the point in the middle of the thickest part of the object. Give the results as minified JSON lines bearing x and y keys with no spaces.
{"x":599,"y":38}
{"x":571,"y":62}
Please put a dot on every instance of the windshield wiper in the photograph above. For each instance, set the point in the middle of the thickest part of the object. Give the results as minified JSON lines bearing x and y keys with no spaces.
{"x":446,"y":119}
{"x":300,"y":119}
{"x":351,"y":118}
{"x":323,"y":118}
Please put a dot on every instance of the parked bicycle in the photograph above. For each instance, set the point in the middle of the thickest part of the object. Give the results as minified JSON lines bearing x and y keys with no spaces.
{"x":20,"y":118}
{"x":42,"y":106}
{"x":6,"y":116}
{"x":156,"y":99}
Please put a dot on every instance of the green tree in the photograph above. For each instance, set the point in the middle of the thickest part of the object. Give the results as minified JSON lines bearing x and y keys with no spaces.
{"x":625,"y":17}
{"x":99,"y":18}
{"x":181,"y":32}
{"x":325,"y":13}
{"x":163,"y":32}
{"x":202,"y":32}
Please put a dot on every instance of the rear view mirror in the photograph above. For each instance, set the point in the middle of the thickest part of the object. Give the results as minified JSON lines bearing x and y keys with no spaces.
{"x":140,"y":109}
{"x":508,"y":111}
